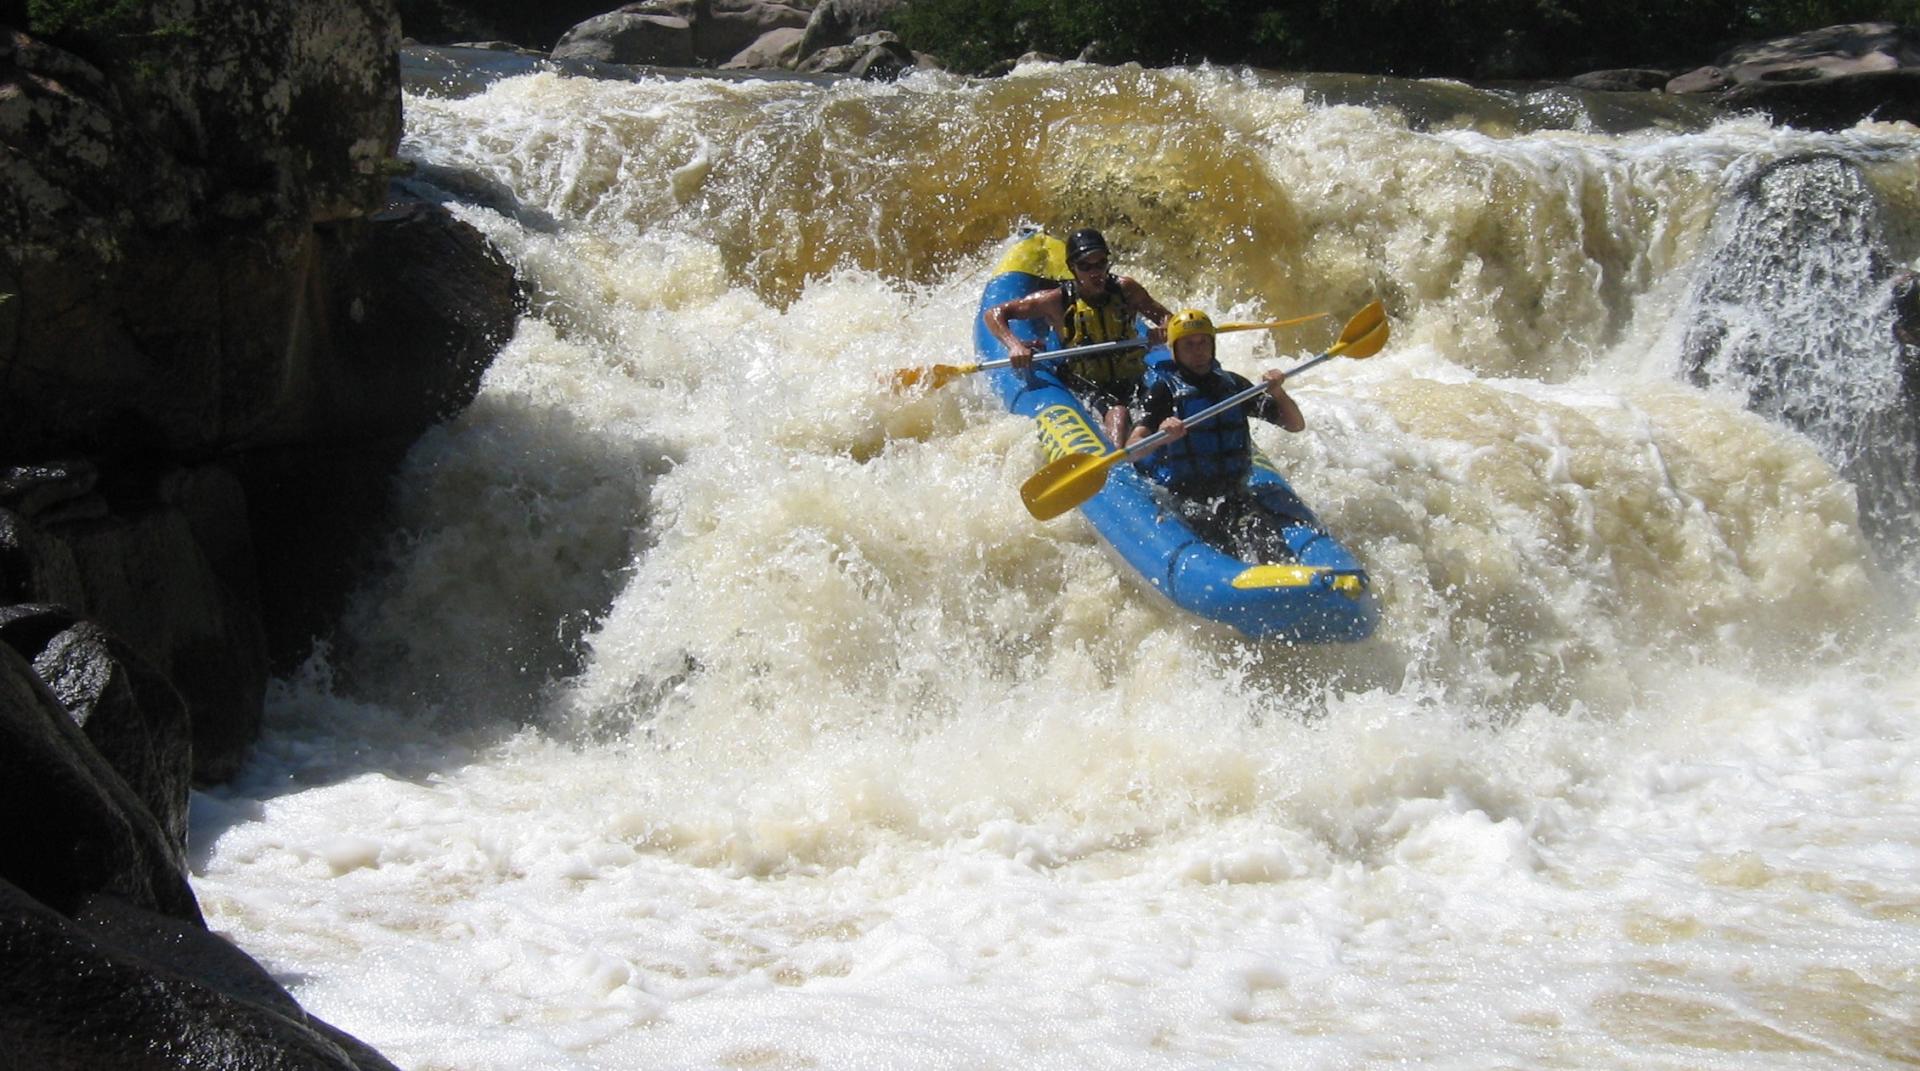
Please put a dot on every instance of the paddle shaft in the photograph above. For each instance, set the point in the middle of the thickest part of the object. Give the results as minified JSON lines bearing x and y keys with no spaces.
{"x":1071,"y":351}
{"x":1216,"y":409}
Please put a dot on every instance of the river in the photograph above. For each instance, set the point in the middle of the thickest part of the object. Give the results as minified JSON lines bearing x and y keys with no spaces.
{"x":716,"y":707}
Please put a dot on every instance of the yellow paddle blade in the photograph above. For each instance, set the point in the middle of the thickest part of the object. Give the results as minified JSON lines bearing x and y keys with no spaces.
{"x":1065,"y":482}
{"x":1364,"y":335}
{"x":932,"y":376}
{"x":1273,"y":323}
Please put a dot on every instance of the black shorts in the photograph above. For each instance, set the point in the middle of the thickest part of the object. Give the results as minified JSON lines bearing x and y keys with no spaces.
{"x":1100,"y":397}
{"x":1236,"y":521}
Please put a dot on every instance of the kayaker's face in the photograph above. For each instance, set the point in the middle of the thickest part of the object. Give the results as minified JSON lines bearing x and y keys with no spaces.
{"x":1091,"y":271}
{"x":1194,"y":352}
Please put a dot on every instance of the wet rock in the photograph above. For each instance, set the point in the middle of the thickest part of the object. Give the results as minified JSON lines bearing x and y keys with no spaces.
{"x":129,"y":712}
{"x":835,"y":23}
{"x":773,"y":50}
{"x":88,"y":832}
{"x":1833,"y":103}
{"x":729,"y":27}
{"x":621,"y":37}
{"x":678,"y":33}
{"x":1622,"y":80}
{"x":878,"y":56}
{"x":1824,"y":79}
{"x":156,"y":197}
{"x":113,"y":985}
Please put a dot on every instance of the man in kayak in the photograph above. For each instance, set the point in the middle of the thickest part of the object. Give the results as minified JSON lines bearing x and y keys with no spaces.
{"x":1206,"y":467}
{"x":1094,"y":306}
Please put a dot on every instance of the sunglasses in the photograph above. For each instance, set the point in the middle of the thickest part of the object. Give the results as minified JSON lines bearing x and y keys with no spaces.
{"x":1092,"y":265}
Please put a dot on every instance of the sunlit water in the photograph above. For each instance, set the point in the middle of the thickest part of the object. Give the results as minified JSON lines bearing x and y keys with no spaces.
{"x":719,"y":708}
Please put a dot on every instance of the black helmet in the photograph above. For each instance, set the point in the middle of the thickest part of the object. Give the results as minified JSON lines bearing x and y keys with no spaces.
{"x":1084,"y":241}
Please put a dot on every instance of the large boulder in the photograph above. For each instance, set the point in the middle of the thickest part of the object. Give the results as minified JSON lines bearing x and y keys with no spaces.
{"x":877,"y":56}
{"x":1833,"y":103}
{"x":419,"y":304}
{"x":731,"y":26}
{"x":164,"y":560}
{"x":678,"y":33}
{"x":774,"y":50}
{"x":1828,"y":77}
{"x":74,"y":827}
{"x":657,"y":40}
{"x":113,"y":985}
{"x":835,"y":23}
{"x":128,"y":711}
{"x":158,"y":192}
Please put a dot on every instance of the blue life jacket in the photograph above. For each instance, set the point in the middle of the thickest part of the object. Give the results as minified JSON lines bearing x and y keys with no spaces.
{"x":1218,"y":453}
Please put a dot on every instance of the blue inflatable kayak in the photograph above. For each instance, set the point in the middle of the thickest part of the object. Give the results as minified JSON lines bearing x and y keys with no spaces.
{"x":1321,"y":595}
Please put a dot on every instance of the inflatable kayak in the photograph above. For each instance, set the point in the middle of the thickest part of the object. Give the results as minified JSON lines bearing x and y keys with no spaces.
{"x":1320,"y":595}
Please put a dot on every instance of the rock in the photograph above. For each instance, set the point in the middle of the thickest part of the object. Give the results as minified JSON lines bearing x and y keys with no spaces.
{"x":1700,"y":80}
{"x":129,"y":712}
{"x":878,"y":56}
{"x":156,"y":200}
{"x":774,"y":49}
{"x":835,"y":23}
{"x":1832,"y":52}
{"x":1790,"y":307}
{"x":1623,"y":80}
{"x":111,"y":985}
{"x":619,"y":37}
{"x":34,"y":568}
{"x":1833,"y":103}
{"x":422,"y":302}
{"x":1818,"y":55}
{"x":170,"y":571}
{"x":730,"y":27}
{"x":678,"y":33}
{"x":88,"y":832}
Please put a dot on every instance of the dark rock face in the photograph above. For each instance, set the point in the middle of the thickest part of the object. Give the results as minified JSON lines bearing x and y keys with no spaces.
{"x":215,"y":347}
{"x":129,"y":712}
{"x":840,"y":22}
{"x":625,"y":37}
{"x":88,"y":832}
{"x":156,"y":211}
{"x":1833,"y":103}
{"x":114,"y":985}
{"x":109,"y":963}
{"x":1825,"y":79}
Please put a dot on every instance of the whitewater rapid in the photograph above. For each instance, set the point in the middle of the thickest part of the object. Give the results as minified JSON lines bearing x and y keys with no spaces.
{"x":718,"y":707}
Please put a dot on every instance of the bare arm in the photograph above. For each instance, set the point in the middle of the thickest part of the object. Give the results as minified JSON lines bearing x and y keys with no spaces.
{"x":1281,"y":409}
{"x":1047,"y":305}
{"x":1143,"y":303}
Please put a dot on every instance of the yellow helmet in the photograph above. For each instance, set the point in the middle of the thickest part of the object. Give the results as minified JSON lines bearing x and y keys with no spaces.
{"x":1188,"y":322}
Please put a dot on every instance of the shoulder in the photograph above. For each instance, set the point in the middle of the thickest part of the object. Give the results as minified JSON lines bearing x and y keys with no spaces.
{"x":1039,"y":299}
{"x":1130,"y":286}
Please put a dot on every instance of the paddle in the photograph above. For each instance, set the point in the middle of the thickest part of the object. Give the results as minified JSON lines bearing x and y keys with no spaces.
{"x":1273,"y":323}
{"x":940,"y":375}
{"x":1071,"y":479}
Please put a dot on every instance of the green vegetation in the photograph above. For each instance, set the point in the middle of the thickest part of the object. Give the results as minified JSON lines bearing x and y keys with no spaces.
{"x":53,"y":18}
{"x":1478,"y":39}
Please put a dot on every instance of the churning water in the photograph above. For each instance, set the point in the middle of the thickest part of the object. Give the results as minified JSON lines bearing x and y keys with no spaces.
{"x":718,"y":707}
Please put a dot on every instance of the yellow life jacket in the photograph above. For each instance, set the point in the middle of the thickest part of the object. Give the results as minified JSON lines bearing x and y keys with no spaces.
{"x":1107,"y":318}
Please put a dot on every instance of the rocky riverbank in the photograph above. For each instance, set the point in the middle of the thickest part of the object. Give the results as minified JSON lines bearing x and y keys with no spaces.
{"x":220,"y":329}
{"x":1829,"y":78}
